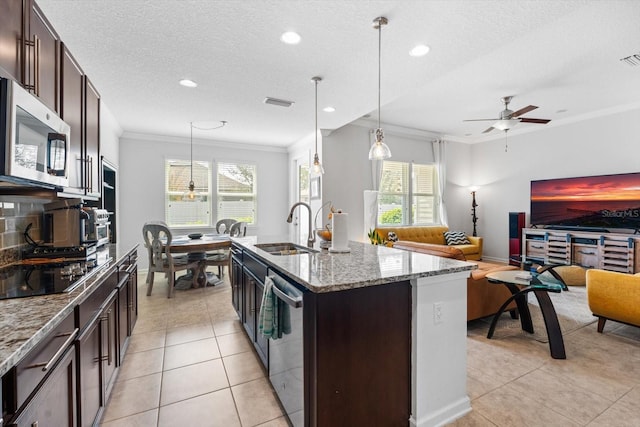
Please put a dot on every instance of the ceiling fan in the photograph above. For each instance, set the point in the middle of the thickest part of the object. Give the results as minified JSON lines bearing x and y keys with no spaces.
{"x":508,"y":119}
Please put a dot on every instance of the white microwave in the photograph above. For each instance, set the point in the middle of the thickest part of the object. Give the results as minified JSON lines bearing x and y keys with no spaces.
{"x":35,"y":140}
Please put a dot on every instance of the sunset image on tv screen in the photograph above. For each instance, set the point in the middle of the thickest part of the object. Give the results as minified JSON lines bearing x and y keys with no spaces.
{"x":606,"y":201}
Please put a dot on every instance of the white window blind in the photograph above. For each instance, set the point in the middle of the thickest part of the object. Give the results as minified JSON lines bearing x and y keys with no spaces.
{"x":236,"y":192}
{"x":407,"y":194}
{"x":180,"y":213}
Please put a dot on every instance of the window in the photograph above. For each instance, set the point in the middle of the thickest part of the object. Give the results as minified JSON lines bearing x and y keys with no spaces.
{"x":181,"y":213}
{"x":407,"y":194}
{"x":237,"y":197}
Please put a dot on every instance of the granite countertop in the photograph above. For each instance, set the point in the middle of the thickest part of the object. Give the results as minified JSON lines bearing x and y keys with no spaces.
{"x":25,"y":321}
{"x":364,"y":265}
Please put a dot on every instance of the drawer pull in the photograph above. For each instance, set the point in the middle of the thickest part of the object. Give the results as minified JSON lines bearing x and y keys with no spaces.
{"x":47,"y":365}
{"x":537,"y":247}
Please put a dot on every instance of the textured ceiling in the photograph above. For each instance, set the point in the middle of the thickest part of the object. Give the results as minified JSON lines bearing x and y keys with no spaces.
{"x":558,"y":55}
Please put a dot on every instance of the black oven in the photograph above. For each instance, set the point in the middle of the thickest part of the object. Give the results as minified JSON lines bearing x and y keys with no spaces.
{"x":34,"y":139}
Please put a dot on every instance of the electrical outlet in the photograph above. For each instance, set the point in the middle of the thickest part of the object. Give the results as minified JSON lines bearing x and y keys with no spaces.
{"x":437,"y":313}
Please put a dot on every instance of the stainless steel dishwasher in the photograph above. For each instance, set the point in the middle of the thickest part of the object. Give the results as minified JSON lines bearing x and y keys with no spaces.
{"x":286,"y":361}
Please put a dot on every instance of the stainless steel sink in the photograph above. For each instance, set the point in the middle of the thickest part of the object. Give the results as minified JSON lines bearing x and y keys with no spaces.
{"x":285,"y":248}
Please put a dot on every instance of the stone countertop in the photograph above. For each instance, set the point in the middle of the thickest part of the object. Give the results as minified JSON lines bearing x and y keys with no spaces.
{"x":26,"y":321}
{"x":365,"y":265}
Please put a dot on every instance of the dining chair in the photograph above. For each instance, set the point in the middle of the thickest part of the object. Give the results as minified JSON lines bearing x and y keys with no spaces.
{"x":223,"y":226}
{"x":238,"y":229}
{"x":157,"y":239}
{"x":222,"y":259}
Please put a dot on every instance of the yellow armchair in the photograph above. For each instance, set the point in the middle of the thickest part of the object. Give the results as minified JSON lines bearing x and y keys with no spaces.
{"x":614,"y":296}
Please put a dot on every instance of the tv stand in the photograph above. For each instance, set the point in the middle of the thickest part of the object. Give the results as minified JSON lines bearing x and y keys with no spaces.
{"x":574,"y":228}
{"x":590,"y":249}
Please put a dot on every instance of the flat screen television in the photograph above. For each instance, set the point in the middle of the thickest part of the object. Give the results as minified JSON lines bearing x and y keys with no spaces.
{"x":593,"y":202}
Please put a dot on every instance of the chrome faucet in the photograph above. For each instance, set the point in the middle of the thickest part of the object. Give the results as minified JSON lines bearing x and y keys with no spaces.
{"x":312,"y":234}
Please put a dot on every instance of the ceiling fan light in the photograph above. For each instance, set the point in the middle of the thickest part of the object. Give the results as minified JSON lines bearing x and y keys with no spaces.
{"x":506,"y":124}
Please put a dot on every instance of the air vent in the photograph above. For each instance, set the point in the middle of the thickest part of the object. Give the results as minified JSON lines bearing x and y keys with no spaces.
{"x":632,"y":60}
{"x":278,"y":102}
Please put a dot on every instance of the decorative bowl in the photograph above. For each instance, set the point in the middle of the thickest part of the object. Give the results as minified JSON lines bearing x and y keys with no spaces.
{"x":324,"y":234}
{"x":195,"y":236}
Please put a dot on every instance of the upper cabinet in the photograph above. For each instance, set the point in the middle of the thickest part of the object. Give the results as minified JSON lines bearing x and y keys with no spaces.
{"x":71,"y":106}
{"x":11,"y":38}
{"x":41,"y":57}
{"x":91,"y":144}
{"x":32,"y":54}
{"x":80,"y":109}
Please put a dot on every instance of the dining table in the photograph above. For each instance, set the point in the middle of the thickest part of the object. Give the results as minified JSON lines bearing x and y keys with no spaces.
{"x":196,"y":248}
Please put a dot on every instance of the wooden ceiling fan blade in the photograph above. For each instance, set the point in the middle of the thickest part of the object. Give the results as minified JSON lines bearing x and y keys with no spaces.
{"x":489,"y":130}
{"x":524,"y":110}
{"x":481,"y":120}
{"x":539,"y":121}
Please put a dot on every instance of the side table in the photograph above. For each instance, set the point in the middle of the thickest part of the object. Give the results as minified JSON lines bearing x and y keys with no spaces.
{"x":540,"y":287}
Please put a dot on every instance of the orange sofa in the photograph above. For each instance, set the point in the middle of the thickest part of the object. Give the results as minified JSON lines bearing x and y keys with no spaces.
{"x":433,"y":235}
{"x":483,"y":298}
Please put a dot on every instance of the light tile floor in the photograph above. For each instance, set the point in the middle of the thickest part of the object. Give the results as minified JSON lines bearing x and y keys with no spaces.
{"x":190,"y":363}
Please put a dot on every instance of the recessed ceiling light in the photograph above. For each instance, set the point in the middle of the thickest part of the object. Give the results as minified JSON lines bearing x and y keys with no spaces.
{"x":419,"y":50}
{"x":290,"y":37}
{"x":188,"y":83}
{"x":328,"y":109}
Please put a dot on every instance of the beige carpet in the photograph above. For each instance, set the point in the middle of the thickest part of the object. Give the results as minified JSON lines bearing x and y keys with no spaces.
{"x":571,"y":307}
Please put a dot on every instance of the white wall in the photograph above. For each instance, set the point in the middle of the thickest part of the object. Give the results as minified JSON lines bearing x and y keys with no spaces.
{"x":110,"y":132}
{"x":348,"y":168}
{"x":599,"y":146}
{"x":142,"y":176}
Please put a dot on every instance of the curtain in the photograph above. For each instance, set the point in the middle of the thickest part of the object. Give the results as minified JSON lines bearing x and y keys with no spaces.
{"x":440,"y":157}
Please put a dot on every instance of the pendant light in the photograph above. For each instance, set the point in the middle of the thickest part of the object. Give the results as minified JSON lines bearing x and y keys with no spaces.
{"x":191,"y":195}
{"x":379,"y":150}
{"x":317,"y":166}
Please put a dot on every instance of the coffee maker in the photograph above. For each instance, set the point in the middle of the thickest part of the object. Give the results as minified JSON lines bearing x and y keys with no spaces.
{"x":66,"y":224}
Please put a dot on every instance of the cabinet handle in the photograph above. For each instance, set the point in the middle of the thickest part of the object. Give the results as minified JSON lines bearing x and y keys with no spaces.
{"x":537,"y":247}
{"x":107,"y":318}
{"x":36,"y":39}
{"x":90,"y":174}
{"x":47,"y":365}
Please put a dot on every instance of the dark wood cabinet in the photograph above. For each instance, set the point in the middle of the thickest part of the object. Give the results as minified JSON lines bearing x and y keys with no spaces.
{"x":97,"y":354}
{"x":91,"y":154}
{"x":254,"y":272}
{"x":29,"y":50}
{"x":127,"y":303}
{"x":54,"y":404}
{"x":236,"y":279}
{"x":72,"y":94}
{"x":11,"y":20}
{"x":80,"y":109}
{"x":41,"y":57}
{"x":89,"y":384}
{"x":249,"y":297}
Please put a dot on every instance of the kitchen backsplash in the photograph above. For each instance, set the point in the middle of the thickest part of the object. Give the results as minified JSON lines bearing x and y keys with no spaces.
{"x":16,"y":213}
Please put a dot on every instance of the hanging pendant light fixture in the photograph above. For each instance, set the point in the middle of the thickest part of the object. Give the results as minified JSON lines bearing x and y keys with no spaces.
{"x":379,"y":150}
{"x":317,"y":166}
{"x":191,"y":195}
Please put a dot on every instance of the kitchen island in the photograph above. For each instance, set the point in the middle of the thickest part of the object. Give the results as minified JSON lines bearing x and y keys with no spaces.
{"x":384,"y":332}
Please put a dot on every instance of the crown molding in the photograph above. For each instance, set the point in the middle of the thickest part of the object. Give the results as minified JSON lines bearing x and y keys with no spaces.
{"x":133,"y":137}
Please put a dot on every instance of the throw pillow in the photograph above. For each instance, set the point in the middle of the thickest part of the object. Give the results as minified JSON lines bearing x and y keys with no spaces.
{"x":456,"y":238}
{"x":392,"y":237}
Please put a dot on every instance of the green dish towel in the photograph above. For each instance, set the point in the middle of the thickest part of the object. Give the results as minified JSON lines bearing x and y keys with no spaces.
{"x":274,"y":318}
